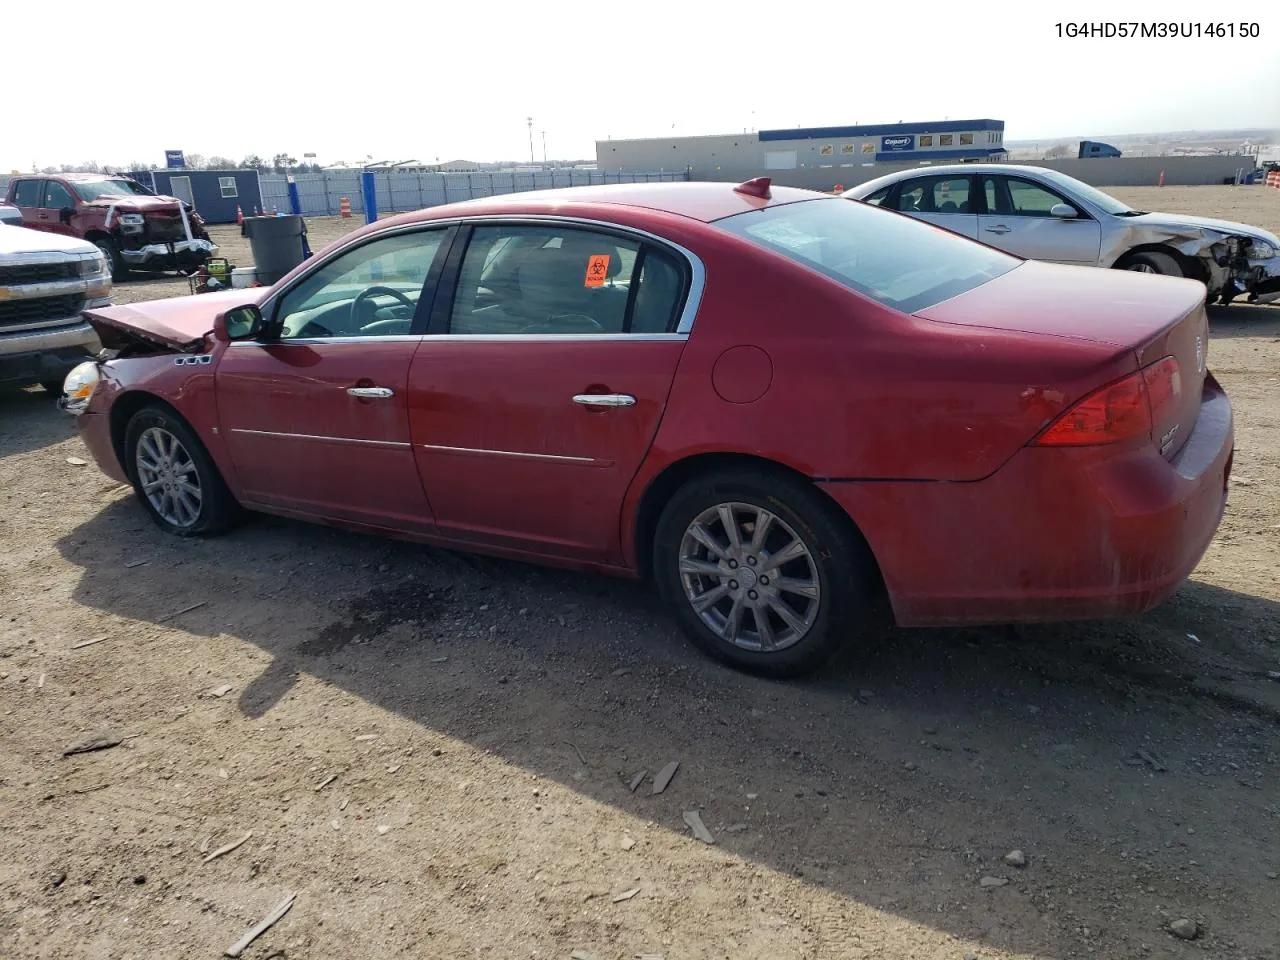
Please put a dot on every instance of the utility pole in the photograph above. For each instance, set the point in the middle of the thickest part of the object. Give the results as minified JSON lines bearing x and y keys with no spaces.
{"x":531,"y":159}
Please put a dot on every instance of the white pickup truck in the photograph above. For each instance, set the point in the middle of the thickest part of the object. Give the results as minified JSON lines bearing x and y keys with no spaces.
{"x":46,"y":280}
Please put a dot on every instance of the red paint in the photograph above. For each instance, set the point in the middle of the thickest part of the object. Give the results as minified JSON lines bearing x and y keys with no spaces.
{"x":742,"y":374}
{"x":919,"y":427}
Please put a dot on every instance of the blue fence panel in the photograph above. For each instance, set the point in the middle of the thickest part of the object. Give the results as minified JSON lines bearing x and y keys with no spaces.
{"x":400,"y":191}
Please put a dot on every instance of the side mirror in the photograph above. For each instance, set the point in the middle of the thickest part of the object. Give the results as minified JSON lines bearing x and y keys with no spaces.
{"x":238,"y":323}
{"x":66,"y":213}
{"x":1064,"y":211}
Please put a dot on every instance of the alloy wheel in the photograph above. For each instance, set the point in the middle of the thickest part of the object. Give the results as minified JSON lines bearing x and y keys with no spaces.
{"x":750,"y":577}
{"x":168,"y":477}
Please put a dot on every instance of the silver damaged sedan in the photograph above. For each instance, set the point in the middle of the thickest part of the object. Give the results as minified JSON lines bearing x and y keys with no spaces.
{"x":1041,"y":214}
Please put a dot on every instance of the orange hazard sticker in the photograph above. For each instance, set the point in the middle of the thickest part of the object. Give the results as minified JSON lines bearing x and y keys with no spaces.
{"x":597,"y":269}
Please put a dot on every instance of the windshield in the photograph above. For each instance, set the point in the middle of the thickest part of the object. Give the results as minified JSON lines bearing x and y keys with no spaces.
{"x":1103,"y":201}
{"x":93,"y":189}
{"x":900,"y":262}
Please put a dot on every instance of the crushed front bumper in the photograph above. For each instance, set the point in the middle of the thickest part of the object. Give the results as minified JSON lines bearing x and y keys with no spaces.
{"x":169,"y":256}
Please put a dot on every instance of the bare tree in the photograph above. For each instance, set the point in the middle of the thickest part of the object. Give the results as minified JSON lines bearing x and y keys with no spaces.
{"x":1057,"y":152}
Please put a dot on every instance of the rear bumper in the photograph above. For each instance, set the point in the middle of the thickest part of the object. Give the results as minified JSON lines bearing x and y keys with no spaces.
{"x":39,"y":356}
{"x":1055,"y":534}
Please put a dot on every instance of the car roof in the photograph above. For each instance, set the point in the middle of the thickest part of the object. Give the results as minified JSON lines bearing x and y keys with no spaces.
{"x":968,"y":169}
{"x":702,"y":201}
{"x":88,"y":176}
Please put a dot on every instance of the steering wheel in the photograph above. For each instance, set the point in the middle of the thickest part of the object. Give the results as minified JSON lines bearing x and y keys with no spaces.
{"x":565,"y":323}
{"x":370,"y":292}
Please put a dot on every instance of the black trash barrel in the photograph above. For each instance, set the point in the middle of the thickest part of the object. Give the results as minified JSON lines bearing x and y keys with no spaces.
{"x":277,"y":245}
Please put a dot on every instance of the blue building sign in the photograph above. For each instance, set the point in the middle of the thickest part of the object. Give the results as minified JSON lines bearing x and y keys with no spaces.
{"x":897,"y":144}
{"x":174,"y":160}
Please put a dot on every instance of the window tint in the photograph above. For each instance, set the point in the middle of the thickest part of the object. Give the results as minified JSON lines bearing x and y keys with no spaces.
{"x":899,"y":261}
{"x":562,"y":280}
{"x":935,"y":195}
{"x":56,"y":196}
{"x":950,"y":195}
{"x":911,"y":197}
{"x":27,"y":193}
{"x":370,"y":291}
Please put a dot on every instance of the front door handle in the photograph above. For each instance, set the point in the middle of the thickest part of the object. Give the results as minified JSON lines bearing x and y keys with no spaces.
{"x":605,"y":400}
{"x":371,"y":392}
{"x":998,"y":228}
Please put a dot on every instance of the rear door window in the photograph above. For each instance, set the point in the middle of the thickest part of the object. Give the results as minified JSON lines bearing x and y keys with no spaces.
{"x":27,"y":193}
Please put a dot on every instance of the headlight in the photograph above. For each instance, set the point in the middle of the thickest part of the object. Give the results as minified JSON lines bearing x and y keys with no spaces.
{"x":79,"y":385}
{"x":1261,"y":250}
{"x":92,"y":266}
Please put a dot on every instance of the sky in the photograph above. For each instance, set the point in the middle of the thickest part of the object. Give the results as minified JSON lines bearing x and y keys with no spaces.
{"x":460,"y":81}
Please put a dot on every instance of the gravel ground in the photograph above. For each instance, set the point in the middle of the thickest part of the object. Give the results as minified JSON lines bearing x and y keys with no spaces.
{"x":433,"y":751}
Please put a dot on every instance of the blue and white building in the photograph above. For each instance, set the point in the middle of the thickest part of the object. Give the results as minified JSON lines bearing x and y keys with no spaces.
{"x":814,"y":153}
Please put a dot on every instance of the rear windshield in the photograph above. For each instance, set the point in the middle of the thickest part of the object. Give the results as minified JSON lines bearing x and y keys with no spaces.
{"x":93,"y":189}
{"x":901,"y":262}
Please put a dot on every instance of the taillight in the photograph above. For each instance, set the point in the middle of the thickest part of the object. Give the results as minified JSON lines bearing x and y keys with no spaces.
{"x":1117,"y":411}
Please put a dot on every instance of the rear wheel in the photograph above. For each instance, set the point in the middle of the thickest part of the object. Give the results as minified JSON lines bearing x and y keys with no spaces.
{"x":174,"y":477}
{"x":761,"y":572}
{"x":1152,"y":261}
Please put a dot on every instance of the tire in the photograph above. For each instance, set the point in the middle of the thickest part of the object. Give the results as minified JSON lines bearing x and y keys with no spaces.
{"x":151,"y":458}
{"x":1152,"y":261}
{"x":834,"y":560}
{"x":111,"y":250}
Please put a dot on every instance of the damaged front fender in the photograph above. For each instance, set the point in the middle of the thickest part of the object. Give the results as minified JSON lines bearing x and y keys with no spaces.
{"x":1233,"y":259}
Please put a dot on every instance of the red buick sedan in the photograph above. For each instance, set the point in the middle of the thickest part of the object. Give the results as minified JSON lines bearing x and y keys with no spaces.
{"x":777,"y":404}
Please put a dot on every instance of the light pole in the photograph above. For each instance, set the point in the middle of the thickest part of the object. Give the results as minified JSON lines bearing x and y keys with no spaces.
{"x":544,"y":149}
{"x":531,"y":159}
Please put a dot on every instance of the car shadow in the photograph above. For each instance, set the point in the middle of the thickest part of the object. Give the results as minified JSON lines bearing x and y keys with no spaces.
{"x":1245,"y":320}
{"x":30,"y":419}
{"x":921,"y":754}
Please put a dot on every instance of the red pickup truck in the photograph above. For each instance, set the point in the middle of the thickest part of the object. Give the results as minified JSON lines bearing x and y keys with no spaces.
{"x":134,"y":228}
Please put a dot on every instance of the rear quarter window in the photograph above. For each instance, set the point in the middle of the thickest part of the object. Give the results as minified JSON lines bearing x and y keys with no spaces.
{"x":895,"y":260}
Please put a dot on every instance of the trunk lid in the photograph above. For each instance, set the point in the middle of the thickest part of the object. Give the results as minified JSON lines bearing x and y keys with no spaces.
{"x":1147,"y":315}
{"x":181,"y":323}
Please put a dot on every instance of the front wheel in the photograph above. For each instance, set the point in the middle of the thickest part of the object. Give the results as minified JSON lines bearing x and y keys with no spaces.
{"x":111,"y":250}
{"x":174,"y":477}
{"x":761,"y":572}
{"x":1152,"y":261}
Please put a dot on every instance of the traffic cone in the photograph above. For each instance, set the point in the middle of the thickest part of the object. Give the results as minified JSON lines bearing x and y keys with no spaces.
{"x":344,"y":207}
{"x":239,"y":216}
{"x":1160,"y":182}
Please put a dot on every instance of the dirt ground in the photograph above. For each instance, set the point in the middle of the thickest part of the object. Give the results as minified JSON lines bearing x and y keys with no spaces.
{"x":433,"y":751}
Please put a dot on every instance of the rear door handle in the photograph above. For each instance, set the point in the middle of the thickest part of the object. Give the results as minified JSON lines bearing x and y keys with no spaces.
{"x":998,"y":228}
{"x":371,"y":392}
{"x":605,"y":400}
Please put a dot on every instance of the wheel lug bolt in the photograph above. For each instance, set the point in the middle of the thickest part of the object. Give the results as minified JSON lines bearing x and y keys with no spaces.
{"x":753,"y":595}
{"x":733,"y":564}
{"x":733,"y":584}
{"x":751,"y":561}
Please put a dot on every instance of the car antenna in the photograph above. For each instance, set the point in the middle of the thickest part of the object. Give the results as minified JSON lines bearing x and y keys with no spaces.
{"x":758,"y":187}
